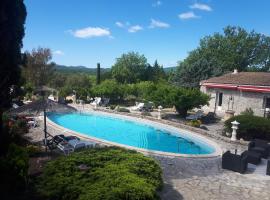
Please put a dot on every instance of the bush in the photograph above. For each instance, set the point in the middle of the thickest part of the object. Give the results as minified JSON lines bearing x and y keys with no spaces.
{"x":121,"y":109}
{"x":250,"y":127}
{"x":248,"y":111}
{"x":14,"y":169}
{"x":109,"y":173}
{"x":32,"y":150}
{"x":109,"y":89}
{"x":194,"y":123}
{"x":19,"y":127}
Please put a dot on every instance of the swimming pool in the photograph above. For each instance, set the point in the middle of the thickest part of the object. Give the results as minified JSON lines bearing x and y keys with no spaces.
{"x":131,"y":133}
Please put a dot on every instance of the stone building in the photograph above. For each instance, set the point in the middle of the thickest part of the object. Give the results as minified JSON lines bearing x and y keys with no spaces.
{"x":235,"y":92}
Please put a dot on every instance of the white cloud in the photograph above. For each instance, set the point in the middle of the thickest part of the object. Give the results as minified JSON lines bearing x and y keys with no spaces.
{"x":157,"y":4}
{"x":90,"y":32}
{"x":119,"y":24}
{"x":135,"y":28}
{"x":201,"y":6}
{"x":188,"y":15}
{"x":58,"y":52}
{"x":158,"y":24}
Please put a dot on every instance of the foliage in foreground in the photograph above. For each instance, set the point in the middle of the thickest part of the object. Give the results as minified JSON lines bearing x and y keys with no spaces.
{"x":111,"y":173}
{"x":14,"y":169}
{"x":250,"y":127}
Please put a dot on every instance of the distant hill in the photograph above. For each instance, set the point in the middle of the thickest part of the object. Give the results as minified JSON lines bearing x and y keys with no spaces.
{"x":91,"y":71}
{"x":79,"y":69}
{"x":169,"y":69}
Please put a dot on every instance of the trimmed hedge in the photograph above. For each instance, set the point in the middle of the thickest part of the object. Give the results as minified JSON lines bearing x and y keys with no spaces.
{"x":250,"y":127}
{"x":109,"y":173}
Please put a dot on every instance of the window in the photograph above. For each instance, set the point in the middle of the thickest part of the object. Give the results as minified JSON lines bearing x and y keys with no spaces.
{"x":267,"y":102}
{"x":220,"y":95}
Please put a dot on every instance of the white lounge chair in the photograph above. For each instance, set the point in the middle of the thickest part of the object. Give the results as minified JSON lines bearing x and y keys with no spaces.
{"x":199,"y":114}
{"x":96,"y":102}
{"x":138,"y":107}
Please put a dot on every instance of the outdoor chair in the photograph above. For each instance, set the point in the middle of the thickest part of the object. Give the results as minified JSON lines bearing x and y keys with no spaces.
{"x":96,"y":102}
{"x":259,"y":146}
{"x":79,"y":144}
{"x":234,"y":162}
{"x":252,"y":157}
{"x":198,"y":115}
{"x":209,"y":118}
{"x":65,"y":147}
{"x":268,"y":168}
{"x":138,"y":107}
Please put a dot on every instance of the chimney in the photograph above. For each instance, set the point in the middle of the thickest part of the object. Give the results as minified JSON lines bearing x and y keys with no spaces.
{"x":235,"y":71}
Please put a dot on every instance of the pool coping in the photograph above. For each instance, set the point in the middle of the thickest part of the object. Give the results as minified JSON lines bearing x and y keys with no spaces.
{"x":186,"y":133}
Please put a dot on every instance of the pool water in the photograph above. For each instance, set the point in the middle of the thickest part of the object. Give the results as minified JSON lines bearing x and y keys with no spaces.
{"x":130,"y":133}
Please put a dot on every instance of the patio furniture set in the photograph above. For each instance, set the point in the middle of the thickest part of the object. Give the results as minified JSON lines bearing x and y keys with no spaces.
{"x":67,"y":144}
{"x":257,"y":150}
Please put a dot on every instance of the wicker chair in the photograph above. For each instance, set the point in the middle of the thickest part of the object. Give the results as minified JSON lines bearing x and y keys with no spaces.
{"x":234,"y":162}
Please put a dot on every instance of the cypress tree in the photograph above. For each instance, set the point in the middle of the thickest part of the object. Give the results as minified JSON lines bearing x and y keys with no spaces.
{"x":12,"y":19}
{"x":98,"y":73}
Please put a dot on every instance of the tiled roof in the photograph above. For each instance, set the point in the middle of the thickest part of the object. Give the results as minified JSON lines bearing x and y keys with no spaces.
{"x":242,"y":78}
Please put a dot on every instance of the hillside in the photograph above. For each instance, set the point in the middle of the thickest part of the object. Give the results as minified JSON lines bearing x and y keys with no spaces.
{"x":79,"y":69}
{"x":91,"y":71}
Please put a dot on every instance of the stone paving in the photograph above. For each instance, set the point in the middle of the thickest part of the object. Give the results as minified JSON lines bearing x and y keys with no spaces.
{"x":201,"y":178}
{"x":184,"y":181}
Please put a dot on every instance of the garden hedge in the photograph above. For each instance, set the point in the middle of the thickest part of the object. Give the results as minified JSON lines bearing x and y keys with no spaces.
{"x":109,"y":173}
{"x":250,"y":127}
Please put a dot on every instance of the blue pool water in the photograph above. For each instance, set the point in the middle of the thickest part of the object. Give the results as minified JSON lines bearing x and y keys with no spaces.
{"x":129,"y":133}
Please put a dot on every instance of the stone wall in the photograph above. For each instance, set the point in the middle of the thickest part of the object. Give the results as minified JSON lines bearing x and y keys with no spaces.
{"x":239,"y":103}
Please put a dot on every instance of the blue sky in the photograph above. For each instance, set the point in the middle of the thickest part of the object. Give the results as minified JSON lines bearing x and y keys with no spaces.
{"x":84,"y":32}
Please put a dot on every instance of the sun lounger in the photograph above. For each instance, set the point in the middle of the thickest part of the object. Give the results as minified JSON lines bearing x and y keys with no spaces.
{"x":199,"y":114}
{"x":66,"y":148}
{"x":96,"y":102}
{"x":138,"y":107}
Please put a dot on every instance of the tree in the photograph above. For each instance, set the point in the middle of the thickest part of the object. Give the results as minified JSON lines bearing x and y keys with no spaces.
{"x":185,"y":99}
{"x":38,"y":70}
{"x":79,"y":83}
{"x":236,"y":48}
{"x":12,"y":19}
{"x":129,"y":68}
{"x":98,"y":73}
{"x":155,"y":73}
{"x":109,"y":89}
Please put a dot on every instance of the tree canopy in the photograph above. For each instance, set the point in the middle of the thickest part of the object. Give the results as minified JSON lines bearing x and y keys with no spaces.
{"x":130,"y":68}
{"x":39,"y":69}
{"x":12,"y":19}
{"x":236,"y":48}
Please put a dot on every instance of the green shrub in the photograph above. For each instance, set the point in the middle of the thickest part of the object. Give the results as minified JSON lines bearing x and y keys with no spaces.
{"x":14,"y":169}
{"x":248,"y":111}
{"x":111,"y":173}
{"x":19,"y":127}
{"x":194,"y":123}
{"x":121,"y":109}
{"x":112,"y":106}
{"x":32,"y":150}
{"x":250,"y":127}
